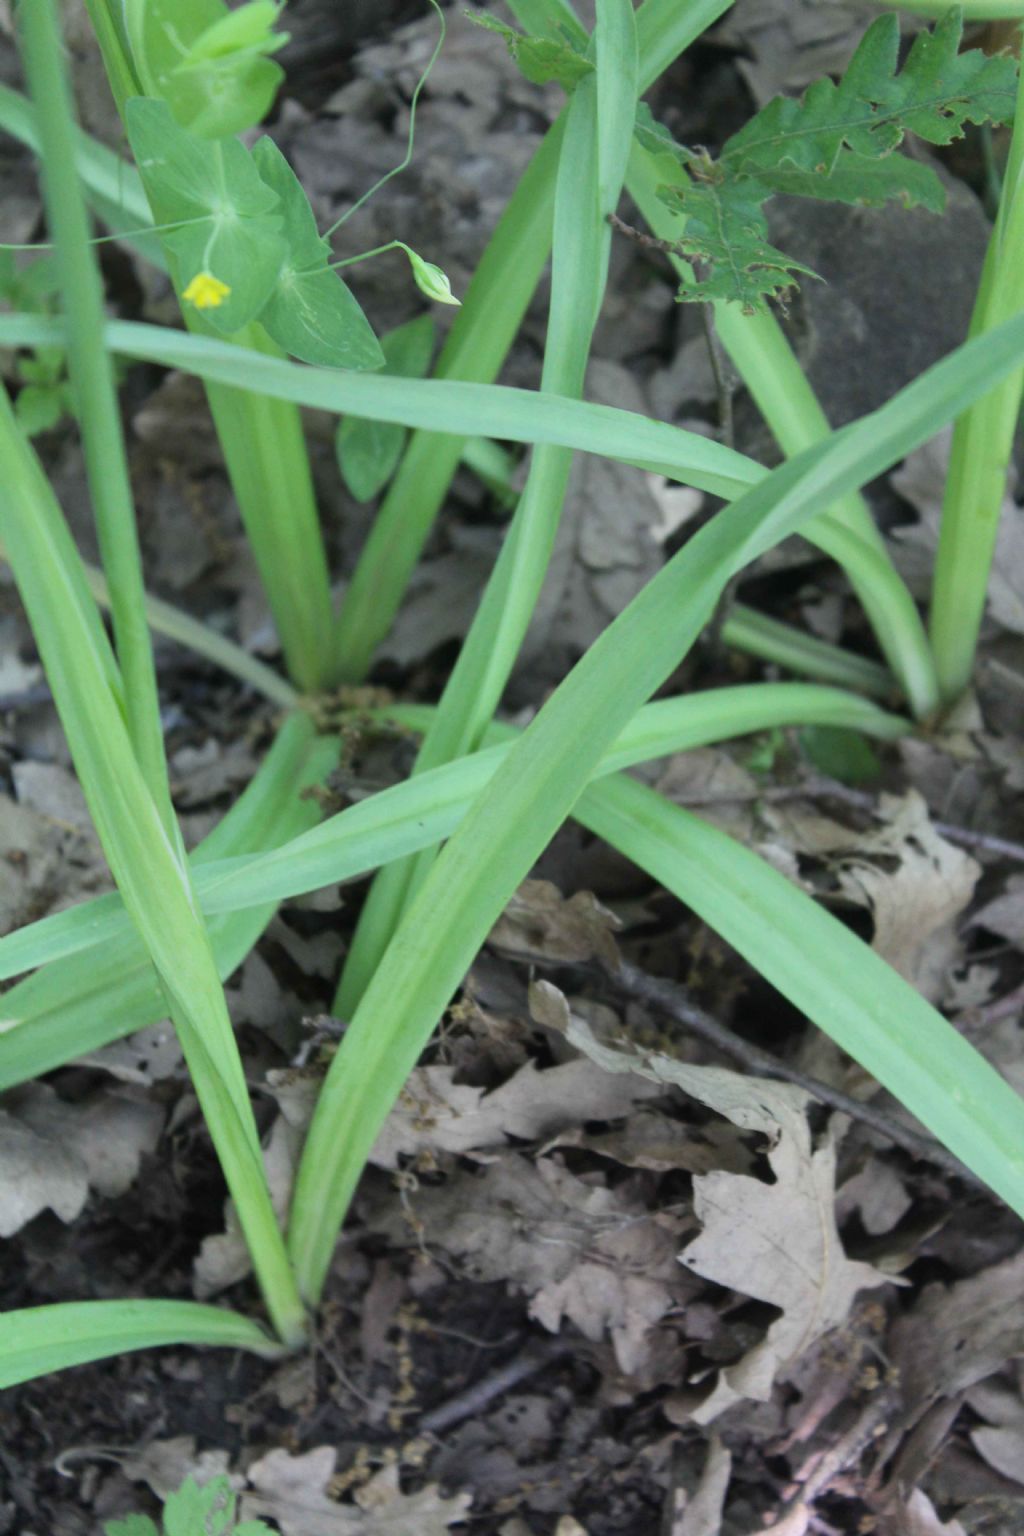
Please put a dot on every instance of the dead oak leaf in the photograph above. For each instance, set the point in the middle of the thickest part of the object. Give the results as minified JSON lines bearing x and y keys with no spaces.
{"x":53,"y":1152}
{"x":293,"y":1491}
{"x":777,"y":1242}
{"x":914,"y":903}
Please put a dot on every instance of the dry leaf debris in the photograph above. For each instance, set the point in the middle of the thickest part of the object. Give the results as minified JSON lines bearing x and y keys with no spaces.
{"x":293,"y":1490}
{"x":53,"y":1152}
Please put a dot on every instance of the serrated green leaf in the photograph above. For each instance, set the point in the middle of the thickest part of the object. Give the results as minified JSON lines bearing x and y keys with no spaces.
{"x":836,"y":143}
{"x":130,"y":1525}
{"x":230,"y":219}
{"x":726,"y":232}
{"x":872,"y":108}
{"x":310,"y":313}
{"x":208,"y":63}
{"x":200,"y":1511}
{"x":539,"y":59}
{"x":368,"y":450}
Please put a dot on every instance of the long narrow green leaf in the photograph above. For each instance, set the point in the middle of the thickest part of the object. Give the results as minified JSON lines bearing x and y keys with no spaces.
{"x":87,"y":998}
{"x":536,"y":787}
{"x":484,"y":328}
{"x":981,"y":450}
{"x":147,"y":865}
{"x":37,"y":1340}
{"x":92,"y":377}
{"x":829,"y":973}
{"x":420,"y":812}
{"x":592,"y":164}
{"x":446,"y":406}
{"x":770,"y":371}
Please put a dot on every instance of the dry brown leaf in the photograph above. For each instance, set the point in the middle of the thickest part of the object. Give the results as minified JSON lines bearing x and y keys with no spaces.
{"x":594,"y":1256}
{"x":439,"y":1115}
{"x":52,"y":1152}
{"x":701,"y":1515}
{"x":165,"y":1464}
{"x":1000,"y":1441}
{"x":293,"y":1491}
{"x":919,"y":1517}
{"x":655,"y":1141}
{"x":957,"y":1335}
{"x":778,"y":1242}
{"x":1004,"y":915}
{"x":915,"y":904}
{"x":540,"y":923}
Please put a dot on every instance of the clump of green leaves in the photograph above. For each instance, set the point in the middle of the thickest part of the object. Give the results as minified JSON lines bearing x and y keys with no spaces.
{"x":243,"y":219}
{"x":836,"y":143}
{"x":193,"y":1511}
{"x":540,"y":59}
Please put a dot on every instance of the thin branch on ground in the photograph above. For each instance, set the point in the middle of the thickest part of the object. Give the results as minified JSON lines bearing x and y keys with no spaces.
{"x":821,"y":788}
{"x":669,"y":998}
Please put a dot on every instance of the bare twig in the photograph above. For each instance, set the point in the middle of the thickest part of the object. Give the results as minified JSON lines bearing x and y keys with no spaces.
{"x":482,"y":1393}
{"x":671,"y":1000}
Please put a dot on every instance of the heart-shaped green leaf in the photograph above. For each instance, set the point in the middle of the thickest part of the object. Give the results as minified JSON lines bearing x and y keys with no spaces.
{"x":310,"y":313}
{"x":230,"y":221}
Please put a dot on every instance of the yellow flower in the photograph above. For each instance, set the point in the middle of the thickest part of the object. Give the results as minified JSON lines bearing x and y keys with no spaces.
{"x":206,"y":291}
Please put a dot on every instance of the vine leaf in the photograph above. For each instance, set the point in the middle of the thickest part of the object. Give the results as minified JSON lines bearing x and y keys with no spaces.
{"x":836,"y":143}
{"x":310,"y":312}
{"x":368,"y":451}
{"x":539,"y":59}
{"x":230,"y":220}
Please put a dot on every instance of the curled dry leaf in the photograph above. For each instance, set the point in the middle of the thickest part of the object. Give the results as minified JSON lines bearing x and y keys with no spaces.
{"x":293,"y":1491}
{"x":52,"y":1152}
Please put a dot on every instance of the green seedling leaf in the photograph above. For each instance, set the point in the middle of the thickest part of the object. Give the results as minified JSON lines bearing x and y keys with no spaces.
{"x":835,"y":143}
{"x":194,"y":1510}
{"x":842,"y":754}
{"x":229,"y":249}
{"x":368,"y":450}
{"x":39,"y":407}
{"x":310,"y":313}
{"x":209,"y":64}
{"x":540,"y":59}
